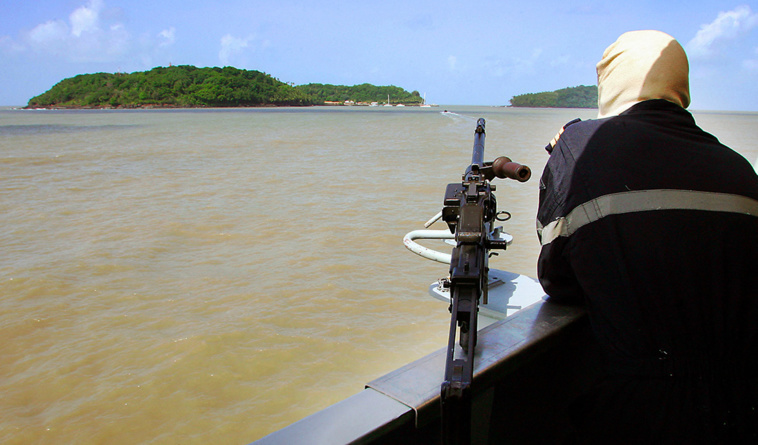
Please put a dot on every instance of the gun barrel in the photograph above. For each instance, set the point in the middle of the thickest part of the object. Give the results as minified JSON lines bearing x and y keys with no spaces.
{"x":503,"y":167}
{"x":478,"y":156}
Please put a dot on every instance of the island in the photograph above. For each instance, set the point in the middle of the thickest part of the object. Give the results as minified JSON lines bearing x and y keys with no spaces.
{"x":188,"y":86}
{"x":574,"y":97}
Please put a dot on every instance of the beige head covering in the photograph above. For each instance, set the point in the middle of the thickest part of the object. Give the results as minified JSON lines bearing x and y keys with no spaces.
{"x":639,"y":66}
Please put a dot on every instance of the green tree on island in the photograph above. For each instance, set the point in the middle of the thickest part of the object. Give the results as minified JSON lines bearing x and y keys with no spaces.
{"x":575,"y":97}
{"x":189,"y":86}
{"x":179,"y":86}
{"x":365,"y":93}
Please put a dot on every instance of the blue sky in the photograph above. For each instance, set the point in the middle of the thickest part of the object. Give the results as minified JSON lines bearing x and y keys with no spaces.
{"x":456,"y":52}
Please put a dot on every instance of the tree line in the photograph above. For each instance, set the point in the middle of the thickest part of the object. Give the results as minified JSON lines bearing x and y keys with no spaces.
{"x":574,"y":97}
{"x":365,"y":93}
{"x":189,"y":86}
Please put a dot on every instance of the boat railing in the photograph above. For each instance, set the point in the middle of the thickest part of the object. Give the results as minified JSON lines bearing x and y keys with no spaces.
{"x":530,"y":367}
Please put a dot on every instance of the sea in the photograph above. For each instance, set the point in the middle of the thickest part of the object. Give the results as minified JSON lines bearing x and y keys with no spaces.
{"x":213,"y":275}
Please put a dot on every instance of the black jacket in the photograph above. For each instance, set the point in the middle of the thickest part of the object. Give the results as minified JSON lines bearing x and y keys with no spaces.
{"x":653,"y":225}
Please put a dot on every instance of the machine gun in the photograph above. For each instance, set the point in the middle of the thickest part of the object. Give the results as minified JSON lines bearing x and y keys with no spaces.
{"x":470,"y":210}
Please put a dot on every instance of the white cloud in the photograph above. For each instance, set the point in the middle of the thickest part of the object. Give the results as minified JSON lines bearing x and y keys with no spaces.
{"x":727,"y":26}
{"x":90,"y":33}
{"x":8,"y":45}
{"x":50,"y":35}
{"x":167,"y":36}
{"x":452,"y":62}
{"x":86,"y":18}
{"x":751,"y":64}
{"x":80,"y":39}
{"x":232,"y":46}
{"x":523,"y":66}
{"x":516,"y":66}
{"x":560,"y":61}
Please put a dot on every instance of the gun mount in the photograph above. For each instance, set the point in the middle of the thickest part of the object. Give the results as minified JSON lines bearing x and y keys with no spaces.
{"x":470,"y":209}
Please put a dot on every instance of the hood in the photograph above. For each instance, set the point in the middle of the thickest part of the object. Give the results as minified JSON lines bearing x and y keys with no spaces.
{"x":640,"y":66}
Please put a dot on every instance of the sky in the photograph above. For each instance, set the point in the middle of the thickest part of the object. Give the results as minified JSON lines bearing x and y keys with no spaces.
{"x":454,"y":52}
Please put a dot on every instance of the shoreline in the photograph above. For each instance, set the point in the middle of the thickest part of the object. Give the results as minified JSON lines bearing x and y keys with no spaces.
{"x":191,"y":107}
{"x":152,"y":107}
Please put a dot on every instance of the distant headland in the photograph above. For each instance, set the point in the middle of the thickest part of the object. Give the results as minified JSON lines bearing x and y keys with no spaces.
{"x":574,"y":97}
{"x":187,"y":86}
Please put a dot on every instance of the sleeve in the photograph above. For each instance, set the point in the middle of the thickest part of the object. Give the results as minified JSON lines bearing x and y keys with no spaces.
{"x":553,"y":267}
{"x":556,"y":275}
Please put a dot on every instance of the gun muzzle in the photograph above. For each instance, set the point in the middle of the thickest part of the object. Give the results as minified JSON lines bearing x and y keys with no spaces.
{"x":503,"y":167}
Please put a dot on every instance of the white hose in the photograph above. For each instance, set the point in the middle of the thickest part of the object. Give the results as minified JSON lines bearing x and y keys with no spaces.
{"x":425,"y":252}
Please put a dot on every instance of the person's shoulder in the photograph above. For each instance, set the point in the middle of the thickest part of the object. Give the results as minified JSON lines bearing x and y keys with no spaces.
{"x":574,"y":127}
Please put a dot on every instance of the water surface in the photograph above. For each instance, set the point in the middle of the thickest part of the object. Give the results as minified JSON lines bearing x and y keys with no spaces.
{"x":210,"y":276}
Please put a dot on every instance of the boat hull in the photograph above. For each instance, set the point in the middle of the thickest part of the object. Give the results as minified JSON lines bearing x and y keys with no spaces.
{"x":529,"y":368}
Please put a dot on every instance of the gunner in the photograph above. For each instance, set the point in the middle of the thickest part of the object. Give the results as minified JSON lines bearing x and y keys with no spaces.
{"x":652,"y":224}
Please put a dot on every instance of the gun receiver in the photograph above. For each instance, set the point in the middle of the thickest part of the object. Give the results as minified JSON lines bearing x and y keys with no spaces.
{"x":470,"y":210}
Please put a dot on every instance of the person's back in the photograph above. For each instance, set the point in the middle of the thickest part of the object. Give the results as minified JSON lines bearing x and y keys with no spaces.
{"x":652,"y":223}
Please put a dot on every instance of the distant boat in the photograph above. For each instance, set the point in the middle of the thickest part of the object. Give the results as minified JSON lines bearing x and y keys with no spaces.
{"x":424,"y":104}
{"x":388,"y":104}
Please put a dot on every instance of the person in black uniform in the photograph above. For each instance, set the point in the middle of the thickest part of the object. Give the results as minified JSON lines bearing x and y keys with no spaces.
{"x":652,"y":224}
